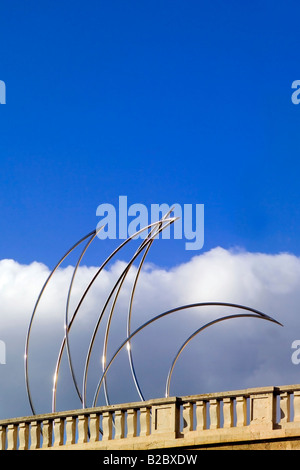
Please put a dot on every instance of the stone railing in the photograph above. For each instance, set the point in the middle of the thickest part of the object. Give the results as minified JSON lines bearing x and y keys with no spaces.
{"x":238,"y":416}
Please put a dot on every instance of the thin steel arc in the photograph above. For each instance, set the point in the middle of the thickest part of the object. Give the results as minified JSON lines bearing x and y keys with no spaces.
{"x":108,"y":259}
{"x":132,"y":368}
{"x":146,"y":243}
{"x":124,"y":273}
{"x":111,"y":313}
{"x":150,"y":238}
{"x":106,"y":334}
{"x":80,"y":303}
{"x":86,"y":292}
{"x":104,"y":354}
{"x":196,"y":332}
{"x":34,"y":312}
{"x":168,"y":312}
{"x":67,"y":311}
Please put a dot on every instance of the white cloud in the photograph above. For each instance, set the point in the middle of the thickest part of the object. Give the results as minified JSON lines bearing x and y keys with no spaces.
{"x":234,"y":354}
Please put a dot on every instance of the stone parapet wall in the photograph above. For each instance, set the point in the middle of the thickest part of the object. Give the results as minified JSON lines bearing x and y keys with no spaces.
{"x":267,"y":417}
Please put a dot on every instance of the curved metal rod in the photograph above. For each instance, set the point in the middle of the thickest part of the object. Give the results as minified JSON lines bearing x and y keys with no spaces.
{"x":67,"y":311}
{"x":78,"y":307}
{"x":145,"y":244}
{"x":124,"y":273}
{"x":161,"y":315}
{"x":34,"y":312}
{"x":167,"y":391}
{"x":133,"y":373}
{"x":106,"y":334}
{"x":81,"y":301}
{"x":109,"y":258}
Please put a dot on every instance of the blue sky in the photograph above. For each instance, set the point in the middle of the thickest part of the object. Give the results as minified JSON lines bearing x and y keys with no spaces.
{"x":186,"y":102}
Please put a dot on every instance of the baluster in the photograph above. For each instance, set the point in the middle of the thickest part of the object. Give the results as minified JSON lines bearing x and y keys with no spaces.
{"x":188,"y":420}
{"x":284,"y":407}
{"x":94,"y":427}
{"x":82,"y":429}
{"x":144,"y":421}
{"x":35,"y":435}
{"x":241,"y":411}
{"x":59,"y":431}
{"x":119,"y":424}
{"x":23,"y":436}
{"x":214,"y":413}
{"x":12,"y":436}
{"x":70,"y":430}
{"x":131,"y":423}
{"x":201,"y":415}
{"x":47,"y":433}
{"x":2,"y":437}
{"x":228,"y":412}
{"x":107,"y":426}
{"x":297,"y":406}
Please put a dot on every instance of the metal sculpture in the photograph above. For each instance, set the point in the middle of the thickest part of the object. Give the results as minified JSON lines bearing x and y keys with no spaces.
{"x":154,"y":230}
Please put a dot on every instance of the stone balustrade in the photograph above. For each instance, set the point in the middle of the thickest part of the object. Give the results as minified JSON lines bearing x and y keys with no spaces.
{"x":192,"y":421}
